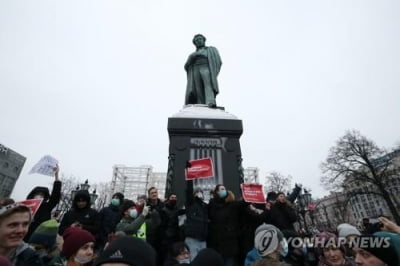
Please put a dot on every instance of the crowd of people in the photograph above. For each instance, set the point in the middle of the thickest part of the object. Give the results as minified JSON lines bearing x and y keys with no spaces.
{"x":147,"y":231}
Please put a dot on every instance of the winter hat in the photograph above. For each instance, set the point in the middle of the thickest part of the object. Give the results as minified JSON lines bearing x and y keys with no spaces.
{"x":74,"y":239}
{"x":267,"y":239}
{"x":208,"y":257}
{"x":197,"y":190}
{"x":129,"y":250}
{"x":45,"y":234}
{"x":4,"y":261}
{"x":126,"y":205}
{"x":119,"y":195}
{"x":345,"y":230}
{"x":271,"y":196}
{"x":381,"y":246}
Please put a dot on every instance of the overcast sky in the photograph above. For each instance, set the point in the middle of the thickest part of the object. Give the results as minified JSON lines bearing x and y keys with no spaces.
{"x":93,"y":83}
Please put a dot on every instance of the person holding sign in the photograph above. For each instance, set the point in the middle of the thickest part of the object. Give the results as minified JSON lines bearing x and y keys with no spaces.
{"x":49,"y":202}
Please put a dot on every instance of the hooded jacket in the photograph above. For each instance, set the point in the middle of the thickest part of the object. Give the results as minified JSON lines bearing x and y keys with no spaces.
{"x":87,"y":217}
{"x":48,"y":204}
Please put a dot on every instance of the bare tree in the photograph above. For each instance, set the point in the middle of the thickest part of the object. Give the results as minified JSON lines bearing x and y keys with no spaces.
{"x":360,"y":159}
{"x":276,"y":181}
{"x":103,"y":191}
{"x":69,"y":183}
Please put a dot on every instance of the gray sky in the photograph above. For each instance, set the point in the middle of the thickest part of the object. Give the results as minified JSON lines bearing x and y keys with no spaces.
{"x":93,"y":82}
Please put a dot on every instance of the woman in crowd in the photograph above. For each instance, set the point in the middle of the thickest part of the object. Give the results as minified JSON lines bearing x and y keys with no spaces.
{"x":331,"y":252}
{"x":178,"y":254}
{"x":78,"y":248}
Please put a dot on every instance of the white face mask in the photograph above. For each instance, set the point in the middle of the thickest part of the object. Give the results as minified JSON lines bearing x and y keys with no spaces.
{"x":82,"y":260}
{"x":38,"y":197}
{"x":133,"y":213}
{"x":187,"y":261}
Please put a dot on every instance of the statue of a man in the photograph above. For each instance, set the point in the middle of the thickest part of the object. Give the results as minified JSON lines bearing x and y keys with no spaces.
{"x":202,"y":69}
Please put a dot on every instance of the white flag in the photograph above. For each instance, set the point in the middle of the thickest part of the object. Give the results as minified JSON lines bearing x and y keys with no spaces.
{"x":45,"y":166}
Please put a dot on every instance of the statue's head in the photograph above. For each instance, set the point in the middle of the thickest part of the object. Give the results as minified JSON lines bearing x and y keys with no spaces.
{"x":199,"y":40}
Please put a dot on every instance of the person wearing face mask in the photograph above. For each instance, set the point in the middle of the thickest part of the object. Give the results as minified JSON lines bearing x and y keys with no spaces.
{"x":133,"y":223}
{"x":196,"y":223}
{"x":78,"y":248}
{"x":49,"y":202}
{"x":178,"y":254}
{"x":224,"y":224}
{"x":110,"y":217}
{"x":171,"y":212}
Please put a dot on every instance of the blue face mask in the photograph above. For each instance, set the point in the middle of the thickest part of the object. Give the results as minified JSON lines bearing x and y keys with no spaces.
{"x":133,"y":213}
{"x":115,"y":202}
{"x":222,"y":193}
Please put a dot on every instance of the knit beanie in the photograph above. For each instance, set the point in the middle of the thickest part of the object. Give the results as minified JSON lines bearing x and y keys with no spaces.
{"x":382,"y":245}
{"x":267,"y":239}
{"x":208,"y":257}
{"x":345,"y":230}
{"x":129,"y":250}
{"x":74,"y":239}
{"x":119,"y":195}
{"x":45,"y":234}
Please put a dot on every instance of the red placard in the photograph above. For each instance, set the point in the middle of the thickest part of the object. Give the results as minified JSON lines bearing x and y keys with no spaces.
{"x":33,"y":204}
{"x":253,"y":193}
{"x":202,"y":168}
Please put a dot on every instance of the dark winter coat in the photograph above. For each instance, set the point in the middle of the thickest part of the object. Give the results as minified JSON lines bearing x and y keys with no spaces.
{"x":224,"y":227}
{"x":24,"y":256}
{"x":109,"y":218}
{"x":196,"y":224}
{"x":155,"y":226}
{"x":48,"y":204}
{"x":87,"y":217}
{"x":172,"y":223}
{"x":282,"y":215}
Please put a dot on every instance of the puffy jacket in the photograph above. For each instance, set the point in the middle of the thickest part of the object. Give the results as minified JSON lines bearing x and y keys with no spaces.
{"x":196,"y":224}
{"x":87,"y":217}
{"x":24,"y":256}
{"x":109,"y":218}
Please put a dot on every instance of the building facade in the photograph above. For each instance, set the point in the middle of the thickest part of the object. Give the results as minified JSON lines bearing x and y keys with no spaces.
{"x":11,"y":164}
{"x":135,"y":181}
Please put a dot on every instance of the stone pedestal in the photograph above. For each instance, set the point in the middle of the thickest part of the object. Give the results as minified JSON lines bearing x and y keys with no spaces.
{"x":196,"y":132}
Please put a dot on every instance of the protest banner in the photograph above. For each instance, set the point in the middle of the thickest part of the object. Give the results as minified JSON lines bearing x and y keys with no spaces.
{"x":33,"y":204}
{"x":253,"y":193}
{"x":201,"y":168}
{"x":45,"y":166}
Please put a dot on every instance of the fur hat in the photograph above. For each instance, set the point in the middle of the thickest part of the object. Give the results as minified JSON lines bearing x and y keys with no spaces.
{"x":74,"y":239}
{"x":345,"y":230}
{"x":45,"y":234}
{"x":129,"y":250}
{"x":208,"y":257}
{"x":267,"y":238}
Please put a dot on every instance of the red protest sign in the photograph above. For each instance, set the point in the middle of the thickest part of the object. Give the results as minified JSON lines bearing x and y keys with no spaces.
{"x":253,"y":193}
{"x":33,"y":204}
{"x":202,"y":168}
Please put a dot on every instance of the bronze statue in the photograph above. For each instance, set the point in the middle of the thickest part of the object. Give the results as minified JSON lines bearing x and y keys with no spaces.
{"x":202,"y":69}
